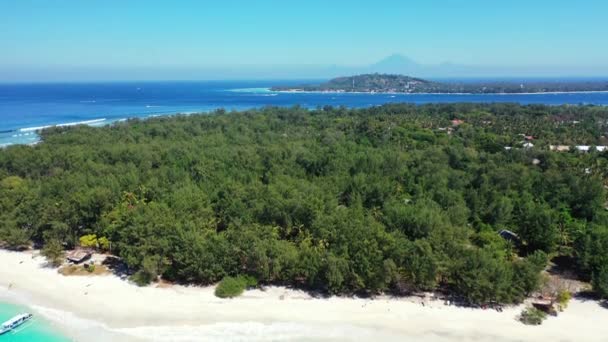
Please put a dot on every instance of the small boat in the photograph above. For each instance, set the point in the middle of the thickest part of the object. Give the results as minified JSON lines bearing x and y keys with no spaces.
{"x":14,"y":322}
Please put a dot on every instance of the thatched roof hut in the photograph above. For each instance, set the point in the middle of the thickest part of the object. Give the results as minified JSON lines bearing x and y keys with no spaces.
{"x":78,"y":255}
{"x":546,"y":305}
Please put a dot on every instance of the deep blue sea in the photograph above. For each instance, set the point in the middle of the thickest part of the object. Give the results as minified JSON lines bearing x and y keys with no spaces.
{"x":24,"y":108}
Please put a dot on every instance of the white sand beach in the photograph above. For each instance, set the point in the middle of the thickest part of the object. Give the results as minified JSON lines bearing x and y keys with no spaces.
{"x":101,"y":308}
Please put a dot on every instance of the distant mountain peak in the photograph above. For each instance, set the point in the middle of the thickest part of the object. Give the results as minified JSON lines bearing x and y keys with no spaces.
{"x":396,"y":58}
{"x":395,"y":63}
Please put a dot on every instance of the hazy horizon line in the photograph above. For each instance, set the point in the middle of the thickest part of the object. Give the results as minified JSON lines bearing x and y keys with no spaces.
{"x":598,"y":78}
{"x":392,"y":64}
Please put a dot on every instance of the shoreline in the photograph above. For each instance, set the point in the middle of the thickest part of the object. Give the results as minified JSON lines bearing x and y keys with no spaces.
{"x":96,"y":122}
{"x":25,"y":134}
{"x":103,"y":306}
{"x":295,"y":91}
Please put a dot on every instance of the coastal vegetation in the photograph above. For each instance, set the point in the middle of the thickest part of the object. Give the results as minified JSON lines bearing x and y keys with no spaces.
{"x":231,"y":287}
{"x":532,"y":316}
{"x":563,"y":298}
{"x":389,"y":83}
{"x":92,"y":241}
{"x":398,"y":198}
{"x":53,"y":252}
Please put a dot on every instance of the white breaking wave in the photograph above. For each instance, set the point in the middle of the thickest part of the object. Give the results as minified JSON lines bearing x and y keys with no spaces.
{"x":86,"y":122}
{"x":65,"y":318}
{"x":80,"y":328}
{"x":20,"y":135}
{"x":250,"y":90}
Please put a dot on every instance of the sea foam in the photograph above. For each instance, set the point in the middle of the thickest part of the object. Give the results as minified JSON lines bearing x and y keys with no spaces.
{"x":250,"y":90}
{"x":86,"y":122}
{"x":81,"y":329}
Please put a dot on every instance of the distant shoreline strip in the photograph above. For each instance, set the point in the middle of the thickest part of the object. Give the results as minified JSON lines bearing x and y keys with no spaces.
{"x":402,"y":93}
{"x":86,"y":122}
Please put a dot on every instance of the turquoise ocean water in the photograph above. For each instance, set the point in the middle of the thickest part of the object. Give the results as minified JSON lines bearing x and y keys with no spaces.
{"x":36,"y":330}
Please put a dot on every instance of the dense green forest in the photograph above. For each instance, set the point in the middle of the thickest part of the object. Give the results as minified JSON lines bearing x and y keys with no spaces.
{"x":395,"y":198}
{"x":389,"y":83}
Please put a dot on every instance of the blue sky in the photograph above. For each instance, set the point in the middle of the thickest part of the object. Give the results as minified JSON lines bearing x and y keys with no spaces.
{"x":167,"y":39}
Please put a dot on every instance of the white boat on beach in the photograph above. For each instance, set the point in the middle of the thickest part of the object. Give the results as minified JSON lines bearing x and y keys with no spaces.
{"x":14,"y":322}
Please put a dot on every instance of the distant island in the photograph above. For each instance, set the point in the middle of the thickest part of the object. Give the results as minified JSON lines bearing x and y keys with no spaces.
{"x":388,"y":83}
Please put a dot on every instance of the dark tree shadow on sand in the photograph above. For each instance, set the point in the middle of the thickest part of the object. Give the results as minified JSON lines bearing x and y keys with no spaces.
{"x":117,"y":266}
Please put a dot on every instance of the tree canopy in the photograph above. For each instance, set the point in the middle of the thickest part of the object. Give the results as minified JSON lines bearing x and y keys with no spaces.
{"x":393,"y":198}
